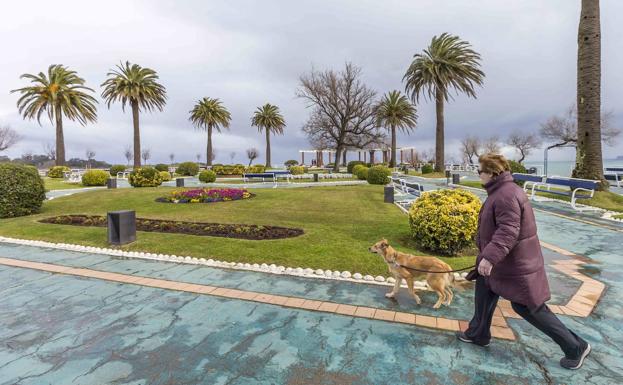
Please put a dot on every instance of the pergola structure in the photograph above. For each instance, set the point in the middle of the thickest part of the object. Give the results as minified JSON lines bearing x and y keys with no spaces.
{"x":386,"y":154}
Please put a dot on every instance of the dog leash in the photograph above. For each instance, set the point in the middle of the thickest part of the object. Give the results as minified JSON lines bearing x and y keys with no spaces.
{"x":434,"y":272}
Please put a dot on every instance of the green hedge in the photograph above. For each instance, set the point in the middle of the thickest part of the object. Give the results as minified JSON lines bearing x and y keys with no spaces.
{"x":22,"y":191}
{"x":297,"y":170}
{"x":427,"y":169}
{"x":229,"y":169}
{"x":145,"y":177}
{"x":256,"y":168}
{"x":207,"y":176}
{"x":187,"y":169}
{"x":117,"y":168}
{"x":161,"y":167}
{"x":57,"y":171}
{"x":165,"y":175}
{"x":361,"y":171}
{"x":444,"y":221}
{"x":291,"y":162}
{"x":378,"y":175}
{"x":95,"y":178}
{"x":351,"y":165}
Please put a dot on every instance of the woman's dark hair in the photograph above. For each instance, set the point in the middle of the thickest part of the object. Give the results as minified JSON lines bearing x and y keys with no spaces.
{"x":493,"y":164}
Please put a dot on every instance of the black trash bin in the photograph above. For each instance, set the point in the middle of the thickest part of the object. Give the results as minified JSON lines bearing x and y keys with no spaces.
{"x":111,"y":183}
{"x":389,"y":194}
{"x":316,"y":177}
{"x":456,"y":178}
{"x":121,"y":227}
{"x":532,"y":170}
{"x":179,"y":182}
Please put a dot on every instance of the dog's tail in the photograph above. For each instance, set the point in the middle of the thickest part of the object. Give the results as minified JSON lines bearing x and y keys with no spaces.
{"x":459,"y":285}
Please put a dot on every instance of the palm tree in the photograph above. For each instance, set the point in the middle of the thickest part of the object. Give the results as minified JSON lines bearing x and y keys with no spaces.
{"x":209,"y":114}
{"x":269,"y":119}
{"x":589,"y":161}
{"x":60,"y":92}
{"x":448,"y":62}
{"x":396,"y":111}
{"x":138,"y":87}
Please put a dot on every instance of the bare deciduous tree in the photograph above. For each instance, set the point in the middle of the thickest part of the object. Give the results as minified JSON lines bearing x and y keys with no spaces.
{"x":343,"y":108}
{"x":563,"y":129}
{"x":492,"y":145}
{"x":49,"y":150}
{"x":8,"y":137}
{"x":524,"y":143}
{"x":128,"y":153}
{"x":145,"y":155}
{"x":470,"y":148}
{"x":232,"y":155}
{"x":90,"y":155}
{"x":252,"y":154}
{"x":171,"y":157}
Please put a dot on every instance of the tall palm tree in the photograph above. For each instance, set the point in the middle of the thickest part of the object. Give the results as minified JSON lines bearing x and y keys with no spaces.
{"x":137,"y":86}
{"x":448,"y":62}
{"x":269,"y":119}
{"x":589,"y":161}
{"x":59,"y":92}
{"x":209,"y":114}
{"x":396,"y":111}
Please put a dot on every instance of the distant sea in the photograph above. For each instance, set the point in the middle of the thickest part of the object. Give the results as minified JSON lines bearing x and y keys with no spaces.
{"x":564,"y":167}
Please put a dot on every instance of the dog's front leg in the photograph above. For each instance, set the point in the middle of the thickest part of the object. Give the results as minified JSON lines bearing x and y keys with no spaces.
{"x":394,"y":291}
{"x":412,"y":291}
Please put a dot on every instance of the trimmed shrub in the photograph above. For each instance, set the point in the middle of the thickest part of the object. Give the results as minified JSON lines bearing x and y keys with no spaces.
{"x":165,"y":175}
{"x":114,"y":170}
{"x":256,"y":168}
{"x":21,"y":190}
{"x":161,"y":167}
{"x":378,"y":175}
{"x":187,"y":168}
{"x":145,"y":177}
{"x":361,"y":172}
{"x":207,"y":176}
{"x":352,"y":164}
{"x":517,"y":167}
{"x":297,"y":170}
{"x":95,"y":178}
{"x":445,"y":221}
{"x":291,"y":162}
{"x":57,"y":171}
{"x":236,"y":169}
{"x":427,"y":169}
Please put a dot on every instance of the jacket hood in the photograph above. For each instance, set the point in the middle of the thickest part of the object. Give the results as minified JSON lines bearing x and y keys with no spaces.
{"x":497,"y":181}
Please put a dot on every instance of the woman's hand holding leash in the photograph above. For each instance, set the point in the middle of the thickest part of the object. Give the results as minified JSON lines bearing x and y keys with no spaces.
{"x":484,"y":268}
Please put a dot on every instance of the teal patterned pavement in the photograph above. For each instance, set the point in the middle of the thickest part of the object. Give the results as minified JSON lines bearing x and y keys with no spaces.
{"x":59,"y":329}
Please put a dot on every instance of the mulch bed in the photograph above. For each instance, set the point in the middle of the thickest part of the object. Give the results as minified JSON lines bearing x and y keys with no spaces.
{"x":251,"y":232}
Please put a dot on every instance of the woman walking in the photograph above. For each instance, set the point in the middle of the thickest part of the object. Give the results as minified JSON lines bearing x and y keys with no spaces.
{"x":510,"y":264}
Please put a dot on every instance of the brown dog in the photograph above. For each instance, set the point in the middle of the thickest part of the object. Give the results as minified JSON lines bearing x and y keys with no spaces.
{"x":399,"y":264}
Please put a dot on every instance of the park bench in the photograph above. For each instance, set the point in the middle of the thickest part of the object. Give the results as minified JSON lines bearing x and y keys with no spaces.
{"x":614,"y":174}
{"x":272,"y":175}
{"x":528,"y":179}
{"x":578,"y":189}
{"x":411,"y":188}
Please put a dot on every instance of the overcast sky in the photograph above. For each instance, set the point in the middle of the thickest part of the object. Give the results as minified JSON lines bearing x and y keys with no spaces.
{"x":248,"y":53}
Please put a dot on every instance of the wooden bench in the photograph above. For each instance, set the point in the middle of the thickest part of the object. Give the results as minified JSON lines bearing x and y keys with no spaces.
{"x":528,"y":179}
{"x":576,"y":188}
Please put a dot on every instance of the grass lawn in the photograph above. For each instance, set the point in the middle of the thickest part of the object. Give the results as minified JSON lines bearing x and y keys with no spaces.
{"x":59,"y":184}
{"x":603,"y":199}
{"x":619,"y":216}
{"x":432,"y":175}
{"x":340,"y":223}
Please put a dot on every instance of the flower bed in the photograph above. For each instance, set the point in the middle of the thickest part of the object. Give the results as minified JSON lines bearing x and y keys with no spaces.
{"x":206,"y":195}
{"x":252,"y":232}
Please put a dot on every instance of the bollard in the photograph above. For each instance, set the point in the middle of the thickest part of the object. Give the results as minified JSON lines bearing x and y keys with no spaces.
{"x":121,"y":227}
{"x":456,"y":178}
{"x":447,"y":174}
{"x":111,"y":183}
{"x":315,"y":177}
{"x":179,"y":182}
{"x":388,"y":194}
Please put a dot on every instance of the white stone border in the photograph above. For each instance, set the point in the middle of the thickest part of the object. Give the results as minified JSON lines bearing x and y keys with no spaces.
{"x":263,"y":268}
{"x":609,"y":215}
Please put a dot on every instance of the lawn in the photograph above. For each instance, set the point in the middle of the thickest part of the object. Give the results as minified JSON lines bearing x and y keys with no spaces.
{"x":59,"y":184}
{"x":431,"y":175}
{"x":340,"y":223}
{"x":603,"y":199}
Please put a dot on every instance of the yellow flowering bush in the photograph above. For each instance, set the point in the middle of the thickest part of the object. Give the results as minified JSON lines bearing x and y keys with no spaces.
{"x":57,"y":171}
{"x":297,"y":170}
{"x":445,"y":221}
{"x":165,"y":176}
{"x":145,"y":177}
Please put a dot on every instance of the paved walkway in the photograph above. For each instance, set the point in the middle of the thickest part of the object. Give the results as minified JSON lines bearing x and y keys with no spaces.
{"x":81,"y":318}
